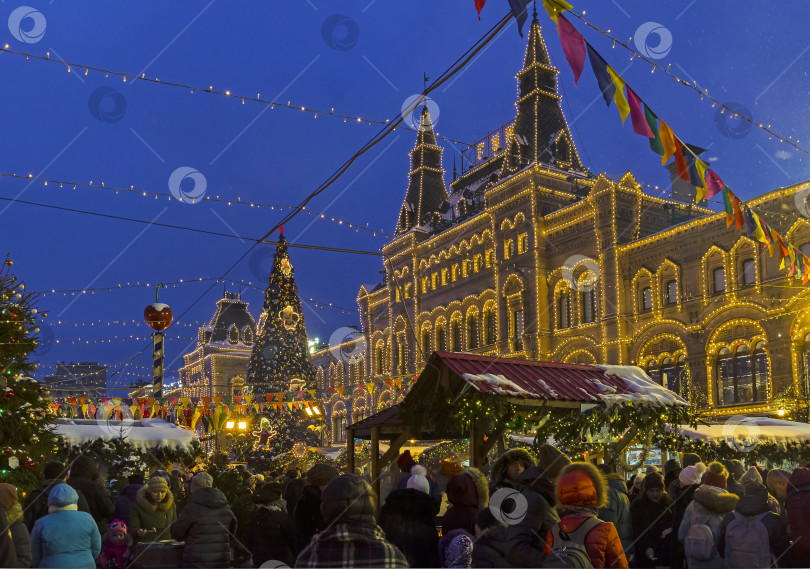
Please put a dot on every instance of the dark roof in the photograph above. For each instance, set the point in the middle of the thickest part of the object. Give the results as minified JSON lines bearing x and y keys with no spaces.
{"x":532,"y":379}
{"x":426,"y":189}
{"x":230,"y":310}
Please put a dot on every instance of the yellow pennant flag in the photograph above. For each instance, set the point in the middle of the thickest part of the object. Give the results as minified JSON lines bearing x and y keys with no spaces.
{"x":340,"y":390}
{"x":554,"y":7}
{"x":618,"y":96}
{"x":701,"y":167}
{"x":667,"y":141}
{"x":370,"y":388}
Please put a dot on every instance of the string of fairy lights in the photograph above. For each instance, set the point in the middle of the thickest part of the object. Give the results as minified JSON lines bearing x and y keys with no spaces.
{"x":62,"y":184}
{"x":704,"y":93}
{"x":174,"y":284}
{"x":211,"y":91}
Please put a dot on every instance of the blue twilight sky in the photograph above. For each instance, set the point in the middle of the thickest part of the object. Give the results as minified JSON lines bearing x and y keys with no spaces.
{"x":366,"y":63}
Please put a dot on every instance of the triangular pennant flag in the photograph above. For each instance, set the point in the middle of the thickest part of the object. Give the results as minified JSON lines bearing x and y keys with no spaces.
{"x":750,"y":224}
{"x":727,"y":197}
{"x":554,"y":7}
{"x":573,"y":45}
{"x":603,"y":78}
{"x":280,"y":397}
{"x":311,"y":393}
{"x":217,"y":399}
{"x":479,"y":5}
{"x":656,"y":145}
{"x":340,"y":390}
{"x":520,"y":13}
{"x":637,"y":116}
{"x":739,"y":218}
{"x":389,"y":383}
{"x":370,"y":388}
{"x":714,"y":185}
{"x":680,"y":161}
{"x":618,"y":96}
{"x":667,"y":141}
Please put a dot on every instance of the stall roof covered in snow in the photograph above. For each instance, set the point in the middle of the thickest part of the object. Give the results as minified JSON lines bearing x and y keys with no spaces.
{"x":558,"y":381}
{"x":144,"y":434}
{"x":745,"y":433}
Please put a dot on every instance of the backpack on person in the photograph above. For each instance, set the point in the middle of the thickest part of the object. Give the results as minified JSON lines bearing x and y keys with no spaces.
{"x":747,"y":542}
{"x":568,"y":548}
{"x":699,"y":543}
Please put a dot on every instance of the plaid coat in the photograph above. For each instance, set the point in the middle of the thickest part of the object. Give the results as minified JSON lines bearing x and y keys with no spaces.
{"x":351,"y":545}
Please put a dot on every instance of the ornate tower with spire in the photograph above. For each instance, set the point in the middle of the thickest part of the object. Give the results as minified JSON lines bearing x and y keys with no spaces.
{"x":540,"y":133}
{"x":426,"y":188}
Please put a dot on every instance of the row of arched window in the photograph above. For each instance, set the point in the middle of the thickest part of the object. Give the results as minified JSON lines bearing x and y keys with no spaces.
{"x":587,"y":308}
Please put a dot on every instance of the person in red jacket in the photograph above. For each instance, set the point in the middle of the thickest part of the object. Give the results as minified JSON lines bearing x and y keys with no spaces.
{"x":581,"y":491}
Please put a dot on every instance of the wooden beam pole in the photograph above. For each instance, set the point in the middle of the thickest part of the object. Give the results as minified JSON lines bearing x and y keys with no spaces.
{"x":375,"y":466}
{"x":350,"y":449}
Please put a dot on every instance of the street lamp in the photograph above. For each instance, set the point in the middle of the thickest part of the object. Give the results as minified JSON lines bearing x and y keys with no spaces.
{"x":242,"y":425}
{"x":229,"y":425}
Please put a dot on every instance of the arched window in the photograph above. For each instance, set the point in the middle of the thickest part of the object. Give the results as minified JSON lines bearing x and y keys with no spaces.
{"x":674,"y":374}
{"x":748,"y":270}
{"x":490,"y":330}
{"x":742,"y":376}
{"x":379,"y":360}
{"x":472,"y":331}
{"x":646,"y":299}
{"x":441,"y":338}
{"x":233,"y":334}
{"x":671,"y":291}
{"x":719,"y":280}
{"x":806,"y":358}
{"x":588,"y":306}
{"x":456,"y":326}
{"x":654,"y":371}
{"x":426,"y":344}
{"x":563,"y":311}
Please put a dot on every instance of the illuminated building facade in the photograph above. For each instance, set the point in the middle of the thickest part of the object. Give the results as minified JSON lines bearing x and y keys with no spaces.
{"x":216,"y":367}
{"x":530,"y":255}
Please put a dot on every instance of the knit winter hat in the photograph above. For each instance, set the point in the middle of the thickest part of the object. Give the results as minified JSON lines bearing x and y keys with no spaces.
{"x":268,"y":493}
{"x":692,"y":474}
{"x":8,"y":496}
{"x":551,"y":460}
{"x":348,"y":498}
{"x":157,"y":484}
{"x":419,"y":483}
{"x":62,"y":495}
{"x":651,"y":469}
{"x":321,"y":474}
{"x":716,"y":475}
{"x":455,"y":549}
{"x":690,"y":458}
{"x":200,"y":480}
{"x":653,"y":480}
{"x":405,"y":460}
{"x":117,"y":525}
{"x":752,"y":488}
{"x":751,"y":475}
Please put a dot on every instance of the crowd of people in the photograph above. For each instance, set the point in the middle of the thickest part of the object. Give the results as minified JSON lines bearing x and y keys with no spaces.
{"x":546,"y":511}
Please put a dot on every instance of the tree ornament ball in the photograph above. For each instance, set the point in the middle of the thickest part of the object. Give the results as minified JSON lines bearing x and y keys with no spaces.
{"x":8,"y":394}
{"x":158,"y":316}
{"x":9,"y":262}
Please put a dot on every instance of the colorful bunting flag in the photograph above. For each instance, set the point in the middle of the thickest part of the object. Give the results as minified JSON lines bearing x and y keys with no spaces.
{"x":554,"y":7}
{"x":603,"y":77}
{"x":520,"y":13}
{"x":479,"y":5}
{"x":656,"y":144}
{"x":714,"y":185}
{"x":640,"y":125}
{"x":573,"y":45}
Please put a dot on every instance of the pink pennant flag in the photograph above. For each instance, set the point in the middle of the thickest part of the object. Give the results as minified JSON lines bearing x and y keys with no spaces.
{"x":714,"y":185}
{"x":573,"y":45}
{"x":640,"y":124}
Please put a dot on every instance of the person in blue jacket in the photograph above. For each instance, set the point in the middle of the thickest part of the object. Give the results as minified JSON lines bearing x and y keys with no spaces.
{"x":65,"y":537}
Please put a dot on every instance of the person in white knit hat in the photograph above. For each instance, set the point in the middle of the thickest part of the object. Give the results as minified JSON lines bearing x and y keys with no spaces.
{"x":688,"y":482}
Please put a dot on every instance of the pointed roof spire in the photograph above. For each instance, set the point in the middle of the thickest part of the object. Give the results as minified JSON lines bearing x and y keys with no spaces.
{"x":541,"y":132}
{"x":426,"y":188}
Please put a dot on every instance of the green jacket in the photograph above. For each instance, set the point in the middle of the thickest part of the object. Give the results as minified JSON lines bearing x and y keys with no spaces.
{"x":150,"y":516}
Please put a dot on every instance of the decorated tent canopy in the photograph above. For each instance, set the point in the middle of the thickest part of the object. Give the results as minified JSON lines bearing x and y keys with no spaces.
{"x":444,"y":402}
{"x":143,"y":434}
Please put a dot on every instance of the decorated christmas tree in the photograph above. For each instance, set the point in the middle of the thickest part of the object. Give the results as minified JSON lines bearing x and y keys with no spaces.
{"x":280,"y":360}
{"x":279,"y":364}
{"x":26,"y":437}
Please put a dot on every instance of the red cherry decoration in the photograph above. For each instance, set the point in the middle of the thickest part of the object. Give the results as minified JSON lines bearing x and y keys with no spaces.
{"x":158,"y":316}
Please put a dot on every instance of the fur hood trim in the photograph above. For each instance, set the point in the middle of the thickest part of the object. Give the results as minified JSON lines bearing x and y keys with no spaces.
{"x":509,"y":457}
{"x":143,"y":501}
{"x":716,"y":500}
{"x":14,"y":514}
{"x":598,"y":479}
{"x":481,"y":486}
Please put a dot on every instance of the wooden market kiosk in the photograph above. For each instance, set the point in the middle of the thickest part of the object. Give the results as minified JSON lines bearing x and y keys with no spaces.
{"x":531,"y":386}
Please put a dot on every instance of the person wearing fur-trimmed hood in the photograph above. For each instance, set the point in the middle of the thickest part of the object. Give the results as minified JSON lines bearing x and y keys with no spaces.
{"x":467,"y":493}
{"x":710,"y":505}
{"x":507,"y":469}
{"x":581,"y":491}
